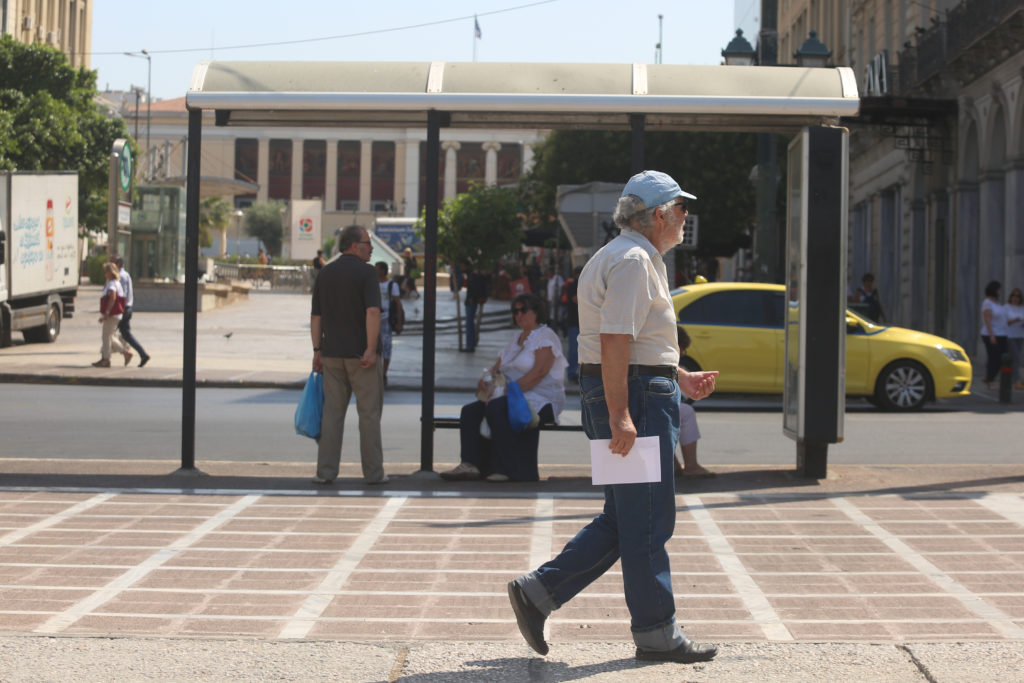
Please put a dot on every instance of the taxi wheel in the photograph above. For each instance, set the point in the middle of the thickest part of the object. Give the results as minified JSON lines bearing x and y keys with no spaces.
{"x":903,"y":386}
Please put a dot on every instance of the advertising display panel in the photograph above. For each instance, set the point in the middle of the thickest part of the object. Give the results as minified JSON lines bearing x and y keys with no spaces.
{"x":814,"y":391}
{"x":306,"y":227}
{"x":43,"y":216}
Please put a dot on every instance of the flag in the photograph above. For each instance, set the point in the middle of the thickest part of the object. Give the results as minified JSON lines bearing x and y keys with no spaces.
{"x":476,"y":28}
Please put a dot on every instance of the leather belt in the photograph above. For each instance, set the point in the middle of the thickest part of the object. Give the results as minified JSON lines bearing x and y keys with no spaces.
{"x":669,"y":371}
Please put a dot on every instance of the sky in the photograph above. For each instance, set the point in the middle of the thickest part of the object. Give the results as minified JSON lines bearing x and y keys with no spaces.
{"x":180,"y":34}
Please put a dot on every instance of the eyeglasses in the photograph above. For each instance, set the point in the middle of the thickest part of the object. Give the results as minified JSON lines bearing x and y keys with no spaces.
{"x":516,"y":310}
{"x":366,"y":242}
{"x":681,"y":203}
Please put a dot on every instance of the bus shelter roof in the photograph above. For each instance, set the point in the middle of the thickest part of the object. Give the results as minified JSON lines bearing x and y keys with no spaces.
{"x":532,"y":95}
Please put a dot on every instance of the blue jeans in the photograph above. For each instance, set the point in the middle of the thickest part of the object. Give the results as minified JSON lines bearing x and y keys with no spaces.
{"x":636,"y":523}
{"x":125,"y":328}
{"x":471,"y":324}
{"x":506,"y":452}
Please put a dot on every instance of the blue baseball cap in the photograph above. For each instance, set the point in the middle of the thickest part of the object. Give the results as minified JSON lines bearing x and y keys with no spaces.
{"x":654,"y":188}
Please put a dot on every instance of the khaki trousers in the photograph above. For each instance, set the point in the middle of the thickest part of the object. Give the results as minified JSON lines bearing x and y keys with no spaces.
{"x":342,"y":378}
{"x":108,"y":339}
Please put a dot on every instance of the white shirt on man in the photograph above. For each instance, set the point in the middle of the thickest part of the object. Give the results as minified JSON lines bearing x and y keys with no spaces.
{"x":624,"y":290}
{"x":126,"y":286}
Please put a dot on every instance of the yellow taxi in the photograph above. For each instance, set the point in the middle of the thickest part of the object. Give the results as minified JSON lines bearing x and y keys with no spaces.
{"x":738,"y":329}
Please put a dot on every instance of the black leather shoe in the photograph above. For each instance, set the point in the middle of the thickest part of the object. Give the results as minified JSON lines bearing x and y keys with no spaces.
{"x":529,"y":618}
{"x":687,"y":653}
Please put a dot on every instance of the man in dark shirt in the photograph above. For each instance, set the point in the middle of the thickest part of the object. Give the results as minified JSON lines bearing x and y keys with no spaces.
{"x":345,"y":328}
{"x":478,"y":286}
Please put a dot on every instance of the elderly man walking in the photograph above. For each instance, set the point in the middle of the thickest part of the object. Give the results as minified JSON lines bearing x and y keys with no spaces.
{"x":345,"y":327}
{"x":629,"y":387}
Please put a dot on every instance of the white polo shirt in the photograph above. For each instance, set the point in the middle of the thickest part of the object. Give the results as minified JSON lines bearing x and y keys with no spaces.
{"x":623,"y":290}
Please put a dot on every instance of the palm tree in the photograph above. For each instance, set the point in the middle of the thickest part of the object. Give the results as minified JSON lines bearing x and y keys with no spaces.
{"x":214,"y":214}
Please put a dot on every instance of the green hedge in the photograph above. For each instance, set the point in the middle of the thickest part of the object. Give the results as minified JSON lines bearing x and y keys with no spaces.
{"x":94,"y":269}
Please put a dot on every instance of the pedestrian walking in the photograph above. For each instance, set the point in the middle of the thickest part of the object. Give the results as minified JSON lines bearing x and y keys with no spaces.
{"x":994,"y":331}
{"x":629,"y":387}
{"x":1015,"y":336}
{"x":111,"y":309}
{"x":553,"y":287}
{"x":125,"y":326}
{"x":478,"y":286}
{"x":391,"y":314}
{"x":345,"y":328}
{"x":570,"y":292}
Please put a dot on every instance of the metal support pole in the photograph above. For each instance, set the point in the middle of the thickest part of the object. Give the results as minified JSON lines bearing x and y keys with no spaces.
{"x":113,"y":183}
{"x":188,"y":368}
{"x":636,"y":125}
{"x":767,"y":260}
{"x":149,"y":108}
{"x":430,"y":291}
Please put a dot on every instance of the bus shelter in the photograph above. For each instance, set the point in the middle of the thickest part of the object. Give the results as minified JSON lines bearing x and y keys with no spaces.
{"x":432,"y":95}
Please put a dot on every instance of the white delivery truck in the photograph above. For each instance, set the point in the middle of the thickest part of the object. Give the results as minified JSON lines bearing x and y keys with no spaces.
{"x":39,"y":260}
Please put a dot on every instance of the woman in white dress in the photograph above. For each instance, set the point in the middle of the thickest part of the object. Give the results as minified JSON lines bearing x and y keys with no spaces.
{"x":534,"y":359}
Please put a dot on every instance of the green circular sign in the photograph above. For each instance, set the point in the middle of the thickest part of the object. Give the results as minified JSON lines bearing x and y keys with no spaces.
{"x":126,"y":167}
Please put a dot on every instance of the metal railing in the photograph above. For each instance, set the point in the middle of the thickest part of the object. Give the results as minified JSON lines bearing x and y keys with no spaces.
{"x":961,"y":29}
{"x":270,"y":277}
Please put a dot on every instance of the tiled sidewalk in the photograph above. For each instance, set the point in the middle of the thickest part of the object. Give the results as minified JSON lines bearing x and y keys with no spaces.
{"x":411,"y":565}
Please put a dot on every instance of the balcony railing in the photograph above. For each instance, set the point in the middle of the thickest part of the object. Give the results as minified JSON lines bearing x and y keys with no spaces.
{"x":959,"y":31}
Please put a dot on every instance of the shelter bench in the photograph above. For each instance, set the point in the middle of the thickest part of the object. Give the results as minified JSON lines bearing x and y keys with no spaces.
{"x":452,"y":422}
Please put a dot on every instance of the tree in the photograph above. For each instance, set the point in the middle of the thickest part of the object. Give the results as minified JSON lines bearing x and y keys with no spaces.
{"x":214,"y":215}
{"x":713,"y":166}
{"x":263,"y":221}
{"x":480,"y":226}
{"x":49,"y":121}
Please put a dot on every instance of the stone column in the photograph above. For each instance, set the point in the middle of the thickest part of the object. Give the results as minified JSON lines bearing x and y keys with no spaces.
{"x":365,"y":174}
{"x":1014,"y":251}
{"x":296,"y":192}
{"x":263,"y":170}
{"x":527,"y":158}
{"x":400,"y":147}
{"x":412,"y":178}
{"x":491,"y":163}
{"x":450,"y":148}
{"x":991,"y":226}
{"x":331,"y":177}
{"x":966,"y":289}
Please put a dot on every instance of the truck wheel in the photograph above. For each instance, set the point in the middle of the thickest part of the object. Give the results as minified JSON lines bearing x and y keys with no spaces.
{"x":903,"y":386}
{"x":46,"y":334}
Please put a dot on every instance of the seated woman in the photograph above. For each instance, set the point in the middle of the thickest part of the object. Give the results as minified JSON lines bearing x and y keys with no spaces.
{"x":534,"y":359}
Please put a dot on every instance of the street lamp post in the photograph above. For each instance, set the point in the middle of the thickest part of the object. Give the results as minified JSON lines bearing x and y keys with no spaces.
{"x":143,"y":54}
{"x":812,"y":53}
{"x":739,"y":51}
{"x":238,"y":235}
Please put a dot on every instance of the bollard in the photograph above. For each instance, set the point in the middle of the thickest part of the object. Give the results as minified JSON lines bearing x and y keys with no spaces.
{"x":1006,"y":378}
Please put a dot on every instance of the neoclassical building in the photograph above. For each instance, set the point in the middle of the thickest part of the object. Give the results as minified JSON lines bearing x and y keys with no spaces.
{"x":937,"y":153}
{"x":358,"y":174}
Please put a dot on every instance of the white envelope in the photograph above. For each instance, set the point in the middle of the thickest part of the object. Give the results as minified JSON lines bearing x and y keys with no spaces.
{"x":641,"y":465}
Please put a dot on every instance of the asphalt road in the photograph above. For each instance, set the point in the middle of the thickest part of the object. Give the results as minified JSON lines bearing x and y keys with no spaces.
{"x":255,"y":425}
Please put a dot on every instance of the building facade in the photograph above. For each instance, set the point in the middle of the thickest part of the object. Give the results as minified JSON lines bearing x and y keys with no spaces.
{"x":937,"y":153}
{"x":359,"y":175}
{"x":63,"y":24}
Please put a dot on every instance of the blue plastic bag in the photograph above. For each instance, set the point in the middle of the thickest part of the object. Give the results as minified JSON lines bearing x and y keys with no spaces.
{"x":311,"y":407}
{"x":520,"y":414}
